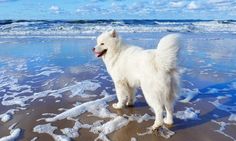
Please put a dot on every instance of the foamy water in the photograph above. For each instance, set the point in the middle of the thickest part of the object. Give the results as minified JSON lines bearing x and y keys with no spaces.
{"x":76,"y":28}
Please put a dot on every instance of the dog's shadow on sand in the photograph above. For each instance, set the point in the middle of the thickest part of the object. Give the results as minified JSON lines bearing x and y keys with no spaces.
{"x":209,"y":111}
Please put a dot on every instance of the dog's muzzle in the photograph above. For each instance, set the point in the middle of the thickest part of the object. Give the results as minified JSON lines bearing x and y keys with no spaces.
{"x":99,"y":54}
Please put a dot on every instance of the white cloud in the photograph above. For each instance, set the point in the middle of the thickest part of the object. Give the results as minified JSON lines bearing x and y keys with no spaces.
{"x":217,"y":1}
{"x":223,"y":5}
{"x":83,"y":11}
{"x":136,"y":8}
{"x":91,"y":9}
{"x":55,"y":9}
{"x":178,"y":4}
{"x":193,"y":6}
{"x":139,"y":8}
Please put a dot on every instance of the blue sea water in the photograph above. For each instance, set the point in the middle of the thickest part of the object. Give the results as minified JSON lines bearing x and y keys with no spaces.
{"x":76,"y":27}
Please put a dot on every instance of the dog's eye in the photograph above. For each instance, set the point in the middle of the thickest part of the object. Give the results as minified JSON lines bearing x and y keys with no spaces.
{"x":102,"y":44}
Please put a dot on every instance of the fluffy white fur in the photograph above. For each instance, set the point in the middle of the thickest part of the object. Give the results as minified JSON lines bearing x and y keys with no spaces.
{"x":154,"y":70}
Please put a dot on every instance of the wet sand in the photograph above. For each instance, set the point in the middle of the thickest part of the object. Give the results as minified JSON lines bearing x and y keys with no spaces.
{"x":202,"y":129}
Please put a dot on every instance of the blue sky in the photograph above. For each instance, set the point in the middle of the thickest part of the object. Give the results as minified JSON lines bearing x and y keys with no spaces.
{"x":117,"y":9}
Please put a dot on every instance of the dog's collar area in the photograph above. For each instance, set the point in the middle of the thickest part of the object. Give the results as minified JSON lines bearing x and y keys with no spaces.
{"x":99,"y":54}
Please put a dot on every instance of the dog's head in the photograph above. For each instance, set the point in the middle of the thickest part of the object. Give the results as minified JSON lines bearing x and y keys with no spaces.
{"x":106,"y":43}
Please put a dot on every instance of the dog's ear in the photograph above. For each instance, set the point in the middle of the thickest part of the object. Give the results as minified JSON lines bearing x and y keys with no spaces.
{"x":113,"y":33}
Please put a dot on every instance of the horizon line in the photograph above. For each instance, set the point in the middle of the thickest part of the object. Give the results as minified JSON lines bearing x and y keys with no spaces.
{"x":115,"y":19}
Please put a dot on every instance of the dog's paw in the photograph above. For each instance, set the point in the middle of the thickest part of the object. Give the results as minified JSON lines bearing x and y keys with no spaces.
{"x":130,"y":104}
{"x":168,"y":122}
{"x":117,"y":106}
{"x":156,"y":126}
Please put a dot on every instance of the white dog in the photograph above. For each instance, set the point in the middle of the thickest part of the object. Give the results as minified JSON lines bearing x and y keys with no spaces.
{"x":155,"y":71}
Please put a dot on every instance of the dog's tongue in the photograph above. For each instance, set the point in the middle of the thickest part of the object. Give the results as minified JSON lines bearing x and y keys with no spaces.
{"x":97,"y":54}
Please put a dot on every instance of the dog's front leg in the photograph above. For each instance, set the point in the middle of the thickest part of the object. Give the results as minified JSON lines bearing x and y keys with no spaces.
{"x":121,"y":93}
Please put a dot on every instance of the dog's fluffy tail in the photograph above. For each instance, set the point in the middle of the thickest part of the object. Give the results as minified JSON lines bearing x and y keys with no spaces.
{"x":167,"y":52}
{"x":167,"y":61}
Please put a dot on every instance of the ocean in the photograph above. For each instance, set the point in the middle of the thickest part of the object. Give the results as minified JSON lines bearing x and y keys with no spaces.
{"x":76,"y":27}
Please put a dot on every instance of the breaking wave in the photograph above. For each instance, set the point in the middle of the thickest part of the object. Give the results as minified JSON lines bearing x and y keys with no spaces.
{"x":76,"y":27}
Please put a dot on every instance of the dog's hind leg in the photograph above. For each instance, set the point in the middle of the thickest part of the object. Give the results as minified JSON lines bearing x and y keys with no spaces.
{"x":158,"y":110}
{"x":122,"y":92}
{"x":169,"y":113}
{"x":171,"y":96}
{"x":131,"y":97}
{"x":153,"y":101}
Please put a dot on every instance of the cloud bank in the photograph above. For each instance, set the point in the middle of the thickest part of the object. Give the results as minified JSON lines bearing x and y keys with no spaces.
{"x":119,"y":9}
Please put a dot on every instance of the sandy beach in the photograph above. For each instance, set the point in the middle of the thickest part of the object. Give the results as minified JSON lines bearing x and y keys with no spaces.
{"x":54,"y":88}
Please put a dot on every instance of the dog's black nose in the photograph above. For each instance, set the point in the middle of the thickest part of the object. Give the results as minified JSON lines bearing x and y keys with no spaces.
{"x":93,"y":49}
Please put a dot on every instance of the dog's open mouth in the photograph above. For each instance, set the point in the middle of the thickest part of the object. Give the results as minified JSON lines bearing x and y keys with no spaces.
{"x":99,"y":54}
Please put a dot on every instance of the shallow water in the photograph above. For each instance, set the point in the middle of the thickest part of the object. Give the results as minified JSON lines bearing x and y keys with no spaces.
{"x":43,"y":74}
